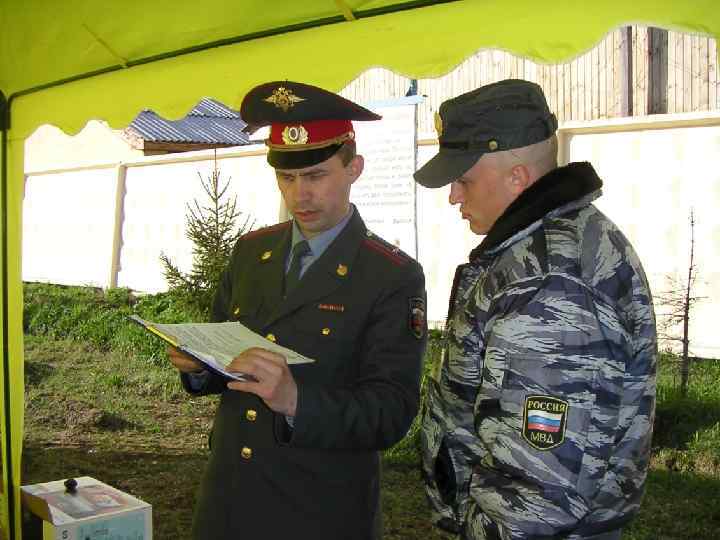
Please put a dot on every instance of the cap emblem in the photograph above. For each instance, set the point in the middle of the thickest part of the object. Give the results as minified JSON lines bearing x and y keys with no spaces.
{"x":283,"y":98}
{"x":295,"y":135}
{"x":438,"y":124}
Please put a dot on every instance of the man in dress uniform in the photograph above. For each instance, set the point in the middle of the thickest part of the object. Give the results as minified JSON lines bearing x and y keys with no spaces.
{"x":538,"y":424}
{"x":295,"y":450}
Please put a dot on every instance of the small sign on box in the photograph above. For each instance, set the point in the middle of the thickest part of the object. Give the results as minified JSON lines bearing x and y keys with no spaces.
{"x":87,"y":510}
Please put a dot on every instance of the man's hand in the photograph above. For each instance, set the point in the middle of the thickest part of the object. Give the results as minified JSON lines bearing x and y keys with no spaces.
{"x":183,"y":362}
{"x":274,"y":383}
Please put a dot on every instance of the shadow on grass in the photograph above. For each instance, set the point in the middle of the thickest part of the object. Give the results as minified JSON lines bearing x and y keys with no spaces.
{"x":678,"y":506}
{"x":678,"y":419}
{"x":167,"y":481}
{"x":37,"y":372}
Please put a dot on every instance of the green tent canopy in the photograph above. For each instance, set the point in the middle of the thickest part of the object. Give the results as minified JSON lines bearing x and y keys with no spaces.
{"x":64,"y":63}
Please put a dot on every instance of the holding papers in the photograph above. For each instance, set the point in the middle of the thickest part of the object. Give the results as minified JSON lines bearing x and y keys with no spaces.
{"x":216,"y":344}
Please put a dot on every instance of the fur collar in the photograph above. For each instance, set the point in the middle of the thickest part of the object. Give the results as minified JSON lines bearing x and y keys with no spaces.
{"x":557,"y":188}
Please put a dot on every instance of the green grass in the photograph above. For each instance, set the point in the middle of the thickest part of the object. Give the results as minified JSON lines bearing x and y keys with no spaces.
{"x":105,"y":403}
{"x":100,"y":318}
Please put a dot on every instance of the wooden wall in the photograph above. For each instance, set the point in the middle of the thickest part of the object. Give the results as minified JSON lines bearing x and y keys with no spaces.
{"x":670,"y":72}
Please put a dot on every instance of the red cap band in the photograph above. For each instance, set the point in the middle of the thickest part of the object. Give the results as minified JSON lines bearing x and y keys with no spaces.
{"x":308,"y":135}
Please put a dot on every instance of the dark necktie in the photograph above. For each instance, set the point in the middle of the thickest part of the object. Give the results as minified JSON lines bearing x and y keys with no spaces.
{"x":293,"y":276}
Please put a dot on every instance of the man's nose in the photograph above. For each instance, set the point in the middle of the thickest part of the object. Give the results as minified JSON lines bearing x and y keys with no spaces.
{"x":302,"y":188}
{"x":456,"y":193}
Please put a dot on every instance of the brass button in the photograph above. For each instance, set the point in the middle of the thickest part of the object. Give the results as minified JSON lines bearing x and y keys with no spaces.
{"x":236,"y":311}
{"x":493,"y":145}
{"x":265,"y":256}
{"x":246,"y":452}
{"x":251,"y":415}
{"x":271,"y":337}
{"x":325,"y":331}
{"x":342,"y":270}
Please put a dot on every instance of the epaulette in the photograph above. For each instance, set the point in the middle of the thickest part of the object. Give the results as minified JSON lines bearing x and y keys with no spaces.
{"x":393,"y":253}
{"x":266,"y":230}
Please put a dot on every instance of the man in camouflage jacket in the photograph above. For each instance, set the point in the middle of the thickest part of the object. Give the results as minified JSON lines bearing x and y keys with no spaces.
{"x":538,"y":422}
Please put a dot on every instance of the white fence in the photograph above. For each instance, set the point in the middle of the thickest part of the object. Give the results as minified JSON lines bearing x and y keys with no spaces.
{"x":106,"y":224}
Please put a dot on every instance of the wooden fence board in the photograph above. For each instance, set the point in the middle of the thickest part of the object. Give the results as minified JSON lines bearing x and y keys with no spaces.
{"x":587,"y":88}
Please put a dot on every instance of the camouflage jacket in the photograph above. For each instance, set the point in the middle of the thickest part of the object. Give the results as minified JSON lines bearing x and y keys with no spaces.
{"x":538,"y":422}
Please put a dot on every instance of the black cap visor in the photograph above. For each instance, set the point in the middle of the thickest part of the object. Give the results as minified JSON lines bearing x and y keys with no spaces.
{"x":299,"y":159}
{"x":445,"y":167}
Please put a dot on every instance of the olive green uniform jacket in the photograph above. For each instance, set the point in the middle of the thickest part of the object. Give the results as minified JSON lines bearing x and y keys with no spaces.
{"x":359,"y":312}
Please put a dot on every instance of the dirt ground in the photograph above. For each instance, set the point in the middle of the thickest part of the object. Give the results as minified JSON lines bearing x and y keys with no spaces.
{"x":96,"y":414}
{"x":168,"y":480}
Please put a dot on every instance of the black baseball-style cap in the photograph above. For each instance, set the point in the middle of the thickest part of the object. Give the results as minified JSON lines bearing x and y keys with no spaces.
{"x":307,"y":124}
{"x":501,"y":116}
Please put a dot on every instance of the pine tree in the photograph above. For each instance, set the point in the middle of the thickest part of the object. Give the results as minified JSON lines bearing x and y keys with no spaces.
{"x":212,"y":228}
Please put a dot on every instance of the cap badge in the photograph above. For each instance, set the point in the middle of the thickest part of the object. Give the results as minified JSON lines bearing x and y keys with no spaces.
{"x":284,"y":99}
{"x":438,"y":124}
{"x":493,"y":145}
{"x":416,"y":316}
{"x":295,"y":135}
{"x":342,"y":270}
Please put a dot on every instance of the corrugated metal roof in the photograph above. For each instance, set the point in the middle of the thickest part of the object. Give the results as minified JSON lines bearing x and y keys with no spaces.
{"x":209,"y":122}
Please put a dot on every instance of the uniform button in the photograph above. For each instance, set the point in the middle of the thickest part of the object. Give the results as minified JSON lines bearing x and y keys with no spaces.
{"x":246,"y":452}
{"x":251,"y":415}
{"x":271,"y":337}
{"x":325,"y":331}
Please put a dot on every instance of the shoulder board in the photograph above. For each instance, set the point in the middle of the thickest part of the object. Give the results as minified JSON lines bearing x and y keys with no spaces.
{"x":387,"y":250}
{"x":266,"y":230}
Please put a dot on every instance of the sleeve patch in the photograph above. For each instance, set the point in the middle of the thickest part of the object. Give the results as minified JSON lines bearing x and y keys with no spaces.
{"x":544,"y":421}
{"x":416,"y":316}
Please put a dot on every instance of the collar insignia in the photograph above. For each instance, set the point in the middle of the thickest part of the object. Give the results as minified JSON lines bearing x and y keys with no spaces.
{"x":416,"y":318}
{"x":331,"y":307}
{"x":284,"y":99}
{"x":438,"y":124}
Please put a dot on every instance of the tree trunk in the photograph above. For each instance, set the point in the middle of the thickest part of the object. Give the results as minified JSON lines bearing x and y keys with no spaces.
{"x":685,"y":364}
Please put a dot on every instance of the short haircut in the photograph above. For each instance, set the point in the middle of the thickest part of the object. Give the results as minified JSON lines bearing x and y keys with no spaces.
{"x":347,"y":152}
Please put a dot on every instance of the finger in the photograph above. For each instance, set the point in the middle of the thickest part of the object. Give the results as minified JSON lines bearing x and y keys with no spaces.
{"x":244,"y":358}
{"x":187,"y":365}
{"x":172,"y":352}
{"x":251,"y":363}
{"x":245,"y":386}
{"x":259,"y":388}
{"x":262,"y":371}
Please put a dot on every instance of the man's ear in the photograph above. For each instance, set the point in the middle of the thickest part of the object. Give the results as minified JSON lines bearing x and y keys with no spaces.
{"x":519,"y":179}
{"x":356,"y":166}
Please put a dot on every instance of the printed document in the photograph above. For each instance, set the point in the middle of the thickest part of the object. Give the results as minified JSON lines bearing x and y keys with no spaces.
{"x":216,"y":344}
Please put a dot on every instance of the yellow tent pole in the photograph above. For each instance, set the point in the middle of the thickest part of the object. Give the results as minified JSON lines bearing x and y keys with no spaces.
{"x":11,"y":374}
{"x":7,"y":496}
